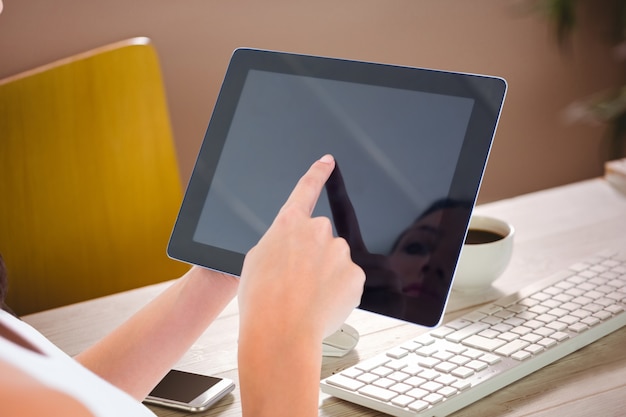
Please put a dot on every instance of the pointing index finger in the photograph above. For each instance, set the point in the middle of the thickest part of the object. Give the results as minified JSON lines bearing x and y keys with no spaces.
{"x":309,"y":187}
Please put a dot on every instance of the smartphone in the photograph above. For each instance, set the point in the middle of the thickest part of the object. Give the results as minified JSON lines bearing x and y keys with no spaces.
{"x":189,"y":391}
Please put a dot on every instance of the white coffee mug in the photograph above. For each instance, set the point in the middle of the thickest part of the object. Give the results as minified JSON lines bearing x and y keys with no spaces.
{"x":486,"y":253}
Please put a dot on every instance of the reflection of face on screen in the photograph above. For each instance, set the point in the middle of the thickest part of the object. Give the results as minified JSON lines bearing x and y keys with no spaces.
{"x":378,"y":134}
{"x":412,"y":280}
{"x":425,"y":254}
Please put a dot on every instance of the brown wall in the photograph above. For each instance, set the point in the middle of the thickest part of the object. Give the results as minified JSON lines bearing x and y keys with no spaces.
{"x":533,"y":149}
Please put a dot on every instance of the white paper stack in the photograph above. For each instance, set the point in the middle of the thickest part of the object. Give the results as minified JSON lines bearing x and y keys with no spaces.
{"x":615,"y":173}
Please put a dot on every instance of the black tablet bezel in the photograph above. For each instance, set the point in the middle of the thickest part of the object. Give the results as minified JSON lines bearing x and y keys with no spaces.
{"x":487,"y":91}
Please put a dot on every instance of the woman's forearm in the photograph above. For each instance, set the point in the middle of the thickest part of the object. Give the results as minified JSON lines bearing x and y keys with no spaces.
{"x":137,"y":355}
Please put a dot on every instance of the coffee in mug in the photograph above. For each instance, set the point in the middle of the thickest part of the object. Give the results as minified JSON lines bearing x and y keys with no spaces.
{"x":486,"y":253}
{"x":478,"y":236}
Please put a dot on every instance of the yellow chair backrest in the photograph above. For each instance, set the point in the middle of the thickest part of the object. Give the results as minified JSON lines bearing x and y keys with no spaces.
{"x":89,"y":182}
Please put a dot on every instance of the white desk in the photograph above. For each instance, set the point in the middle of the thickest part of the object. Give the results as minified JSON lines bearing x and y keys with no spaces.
{"x":555,"y":228}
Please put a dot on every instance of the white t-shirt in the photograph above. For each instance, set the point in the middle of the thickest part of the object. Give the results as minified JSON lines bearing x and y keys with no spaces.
{"x":59,"y":371}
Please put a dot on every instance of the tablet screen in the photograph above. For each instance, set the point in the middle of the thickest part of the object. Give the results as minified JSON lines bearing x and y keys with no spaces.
{"x":410,"y":145}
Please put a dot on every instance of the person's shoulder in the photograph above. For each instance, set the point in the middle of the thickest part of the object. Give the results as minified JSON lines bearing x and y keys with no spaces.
{"x":24,"y":396}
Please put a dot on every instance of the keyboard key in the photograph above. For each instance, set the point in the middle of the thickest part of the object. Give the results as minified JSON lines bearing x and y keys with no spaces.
{"x":558,"y":312}
{"x":514,"y":321}
{"x":581,"y":314}
{"x":472,"y":329}
{"x":460,"y":360}
{"x":544,"y":331}
{"x":579,"y":266}
{"x":578,"y":327}
{"x":433,"y":398}
{"x":521,"y":330}
{"x":615,"y":309}
{"x":443,"y":355}
{"x":412,"y":369}
{"x":502,"y":327}
{"x":602,"y":315}
{"x":483,"y":343}
{"x":463,"y":372}
{"x":491,"y":320}
{"x":541,"y":296}
{"x":402,"y":400}
{"x":425,"y":340}
{"x":476,"y":365}
{"x":563,"y":298}
{"x":427,"y":350}
{"x":351,"y":372}
{"x":473,"y":353}
{"x":344,"y":382}
{"x":557,"y":325}
{"x":400,"y":388}
{"x":590,"y":321}
{"x":545,"y":318}
{"x":428,"y":362}
{"x":533,"y":349}
{"x":429,"y":374}
{"x":445,"y":367}
{"x":521,"y":355}
{"x":417,"y":393}
{"x":504,"y":314}
{"x":431,"y":386}
{"x":508,"y":336}
{"x":396,"y":365}
{"x":475,"y":316}
{"x":419,"y":406}
{"x":398,"y":376}
{"x":442,"y":332}
{"x":367,"y":378}
{"x":532,"y":338}
{"x":382,"y":371}
{"x":461,"y":385}
{"x":547,"y":342}
{"x":490,"y":309}
{"x":415,"y":381}
{"x":384,"y":382}
{"x":456,"y":349}
{"x":534,"y":324}
{"x":378,"y":393}
{"x":447,"y":391}
{"x":459,"y":324}
{"x":512,"y":347}
{"x":446,"y":380}
{"x":490,"y":359}
{"x":397,"y":353}
{"x":372,"y":363}
{"x":569,"y":306}
{"x":539,"y":309}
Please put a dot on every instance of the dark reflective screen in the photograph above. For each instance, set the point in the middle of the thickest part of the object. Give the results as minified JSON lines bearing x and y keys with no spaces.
{"x":407,"y":175}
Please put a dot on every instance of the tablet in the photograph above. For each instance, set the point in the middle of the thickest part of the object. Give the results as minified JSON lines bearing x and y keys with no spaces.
{"x":410,"y":145}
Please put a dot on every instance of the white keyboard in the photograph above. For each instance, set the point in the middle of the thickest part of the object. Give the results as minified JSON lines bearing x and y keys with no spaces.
{"x":467,"y":359}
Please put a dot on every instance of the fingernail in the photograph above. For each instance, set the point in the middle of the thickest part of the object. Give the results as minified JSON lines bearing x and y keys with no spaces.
{"x":327,"y":159}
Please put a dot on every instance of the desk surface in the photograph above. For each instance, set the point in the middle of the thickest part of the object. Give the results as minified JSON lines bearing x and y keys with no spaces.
{"x":555,"y":228}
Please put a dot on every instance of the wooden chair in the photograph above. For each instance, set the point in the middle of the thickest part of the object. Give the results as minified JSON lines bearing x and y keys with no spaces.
{"x":89,"y":182}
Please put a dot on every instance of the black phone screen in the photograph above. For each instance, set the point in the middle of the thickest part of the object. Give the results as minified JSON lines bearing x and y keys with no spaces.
{"x":183,"y":386}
